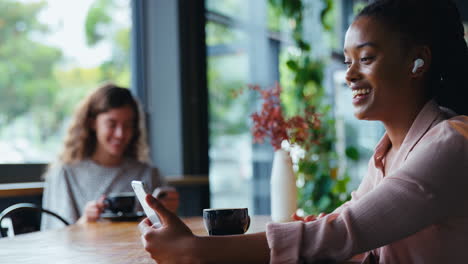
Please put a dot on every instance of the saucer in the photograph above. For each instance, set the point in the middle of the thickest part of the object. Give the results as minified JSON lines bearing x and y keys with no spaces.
{"x":134,"y":216}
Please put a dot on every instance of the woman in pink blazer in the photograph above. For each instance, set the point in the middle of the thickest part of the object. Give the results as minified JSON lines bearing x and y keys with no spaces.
{"x":408,"y":68}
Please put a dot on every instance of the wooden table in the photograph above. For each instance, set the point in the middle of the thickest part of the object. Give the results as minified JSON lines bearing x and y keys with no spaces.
{"x":98,"y":243}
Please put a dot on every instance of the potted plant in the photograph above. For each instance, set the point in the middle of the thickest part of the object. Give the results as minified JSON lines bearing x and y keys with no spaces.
{"x":269,"y":122}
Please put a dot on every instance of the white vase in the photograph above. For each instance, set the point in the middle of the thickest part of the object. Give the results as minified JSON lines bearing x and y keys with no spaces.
{"x":283,"y":187}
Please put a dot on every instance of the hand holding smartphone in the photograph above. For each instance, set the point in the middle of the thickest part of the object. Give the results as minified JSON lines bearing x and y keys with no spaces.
{"x":139,"y":189}
{"x":162,"y":192}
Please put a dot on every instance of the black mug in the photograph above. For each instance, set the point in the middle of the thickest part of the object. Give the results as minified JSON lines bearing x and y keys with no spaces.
{"x":120,"y":203}
{"x":229,"y":221}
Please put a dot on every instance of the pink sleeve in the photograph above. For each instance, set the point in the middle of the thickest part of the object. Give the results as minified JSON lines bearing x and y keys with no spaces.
{"x":284,"y":241}
{"x":364,"y":187}
{"x":424,"y":191}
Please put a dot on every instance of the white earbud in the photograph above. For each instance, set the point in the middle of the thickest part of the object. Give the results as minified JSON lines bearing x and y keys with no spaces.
{"x":418,"y":63}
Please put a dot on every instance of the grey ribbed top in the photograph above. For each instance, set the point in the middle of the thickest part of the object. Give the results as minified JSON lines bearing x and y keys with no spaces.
{"x":69,"y":187}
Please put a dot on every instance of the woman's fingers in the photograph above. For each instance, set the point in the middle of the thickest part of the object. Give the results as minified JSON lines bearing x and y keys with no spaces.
{"x":169,"y":241}
{"x":310,"y":218}
{"x":145,"y":226}
{"x":162,"y":192}
{"x":170,"y":201}
{"x":91,"y":214}
{"x":295,"y":217}
{"x":172,"y":205}
{"x":101,"y":199}
{"x":146,"y":230}
{"x":159,"y":208}
{"x":100,"y":203}
{"x":94,"y":209}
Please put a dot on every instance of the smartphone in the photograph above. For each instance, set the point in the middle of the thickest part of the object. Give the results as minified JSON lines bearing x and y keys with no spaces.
{"x":139,"y":189}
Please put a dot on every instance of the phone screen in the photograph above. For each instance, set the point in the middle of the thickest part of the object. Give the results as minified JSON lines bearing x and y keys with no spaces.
{"x":139,"y":189}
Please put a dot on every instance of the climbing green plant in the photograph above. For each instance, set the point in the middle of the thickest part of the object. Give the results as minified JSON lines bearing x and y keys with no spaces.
{"x":322,"y":187}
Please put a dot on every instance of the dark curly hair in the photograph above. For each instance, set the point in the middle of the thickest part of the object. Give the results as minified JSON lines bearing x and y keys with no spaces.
{"x":437,"y":25}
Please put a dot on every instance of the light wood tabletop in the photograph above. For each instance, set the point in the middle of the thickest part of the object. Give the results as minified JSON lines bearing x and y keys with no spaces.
{"x":97,"y":243}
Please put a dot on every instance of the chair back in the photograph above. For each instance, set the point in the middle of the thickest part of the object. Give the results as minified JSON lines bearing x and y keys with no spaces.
{"x":25,"y":218}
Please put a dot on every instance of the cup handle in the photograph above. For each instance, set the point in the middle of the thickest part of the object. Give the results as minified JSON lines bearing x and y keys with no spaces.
{"x":248,"y":225}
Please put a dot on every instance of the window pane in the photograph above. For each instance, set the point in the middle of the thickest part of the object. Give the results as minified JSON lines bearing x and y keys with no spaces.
{"x":236,"y":50}
{"x":53,"y":52}
{"x":230,"y":142}
{"x":232,"y":8}
{"x":217,"y":34}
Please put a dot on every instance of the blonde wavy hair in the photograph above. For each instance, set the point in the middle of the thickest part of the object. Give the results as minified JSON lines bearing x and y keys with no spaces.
{"x":80,"y":142}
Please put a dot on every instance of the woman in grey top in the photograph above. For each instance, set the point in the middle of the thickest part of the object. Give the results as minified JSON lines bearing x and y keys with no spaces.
{"x":104,"y":151}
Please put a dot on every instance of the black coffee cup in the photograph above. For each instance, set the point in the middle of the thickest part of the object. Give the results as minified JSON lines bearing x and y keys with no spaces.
{"x":229,"y":221}
{"x":120,"y":203}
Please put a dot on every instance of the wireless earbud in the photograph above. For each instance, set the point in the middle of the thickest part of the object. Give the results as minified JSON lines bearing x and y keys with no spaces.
{"x":418,"y":63}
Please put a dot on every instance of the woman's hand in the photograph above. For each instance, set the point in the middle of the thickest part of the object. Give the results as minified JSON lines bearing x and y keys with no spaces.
{"x":169,"y":241}
{"x":92,"y":211}
{"x":308,"y":218}
{"x":168,"y":196}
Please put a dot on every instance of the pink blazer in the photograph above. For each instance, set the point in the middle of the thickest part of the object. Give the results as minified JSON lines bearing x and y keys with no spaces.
{"x":418,"y":213}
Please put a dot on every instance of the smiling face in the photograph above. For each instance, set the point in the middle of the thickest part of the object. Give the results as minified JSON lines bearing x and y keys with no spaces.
{"x":379,"y":70}
{"x":114,"y":131}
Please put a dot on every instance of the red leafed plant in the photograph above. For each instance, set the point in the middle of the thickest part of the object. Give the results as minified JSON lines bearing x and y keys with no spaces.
{"x":270,"y":122}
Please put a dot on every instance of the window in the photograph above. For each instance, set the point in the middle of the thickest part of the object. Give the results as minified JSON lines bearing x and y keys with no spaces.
{"x":53,"y":53}
{"x":228,"y":72}
{"x":242,"y":48}
{"x":247,"y":44}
